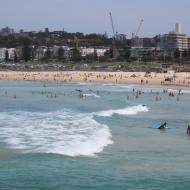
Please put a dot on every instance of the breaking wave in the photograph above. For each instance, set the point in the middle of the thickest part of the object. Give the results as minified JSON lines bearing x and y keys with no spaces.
{"x":177,"y":91}
{"x":125,"y":111}
{"x":62,"y":132}
{"x":92,"y":95}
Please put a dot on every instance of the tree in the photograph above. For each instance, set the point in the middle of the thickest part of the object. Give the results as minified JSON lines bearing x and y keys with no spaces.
{"x":111,"y":53}
{"x":15,"y":57}
{"x":6,"y":56}
{"x":95,"y":55}
{"x":26,"y":50}
{"x":89,"y":57}
{"x":60,"y":53}
{"x":127,"y":53}
{"x":185,"y":54}
{"x":47,"y":54}
{"x":76,"y":55}
{"x":177,"y":54}
{"x":149,"y":56}
{"x":107,"y":54}
{"x":188,"y":54}
{"x":32,"y":54}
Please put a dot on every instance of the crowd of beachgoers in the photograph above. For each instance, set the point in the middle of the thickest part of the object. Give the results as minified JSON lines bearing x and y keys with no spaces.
{"x":142,"y":78}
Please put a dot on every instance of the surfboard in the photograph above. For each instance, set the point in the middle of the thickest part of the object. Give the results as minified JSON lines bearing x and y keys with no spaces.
{"x":154,"y":126}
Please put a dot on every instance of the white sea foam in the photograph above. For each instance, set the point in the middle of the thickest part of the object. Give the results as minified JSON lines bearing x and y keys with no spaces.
{"x":126,"y":86}
{"x":83,"y":84}
{"x":125,"y":111}
{"x":173,"y":90}
{"x":118,"y":88}
{"x":91,"y":95}
{"x":62,"y":132}
{"x":86,"y":83}
{"x":177,"y":91}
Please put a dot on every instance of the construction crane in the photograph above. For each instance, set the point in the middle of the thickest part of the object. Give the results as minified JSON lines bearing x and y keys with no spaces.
{"x":135,"y":37}
{"x":114,"y":47}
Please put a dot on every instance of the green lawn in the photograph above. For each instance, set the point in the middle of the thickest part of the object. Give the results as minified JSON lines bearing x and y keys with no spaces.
{"x":103,"y":64}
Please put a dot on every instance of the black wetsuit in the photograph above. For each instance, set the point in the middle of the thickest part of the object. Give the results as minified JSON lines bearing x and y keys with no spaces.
{"x":162,"y":126}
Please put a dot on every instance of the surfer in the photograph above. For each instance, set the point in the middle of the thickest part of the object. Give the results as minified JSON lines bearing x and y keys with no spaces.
{"x":78,"y":90}
{"x":163,"y":126}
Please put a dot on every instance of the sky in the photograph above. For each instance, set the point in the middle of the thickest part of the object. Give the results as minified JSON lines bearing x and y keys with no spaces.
{"x":92,"y":16}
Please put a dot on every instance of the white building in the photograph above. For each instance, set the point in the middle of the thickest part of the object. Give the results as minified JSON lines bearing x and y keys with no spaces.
{"x":101,"y":51}
{"x":90,"y":51}
{"x":11,"y":52}
{"x":178,"y":28}
{"x":40,"y":52}
{"x":174,"y":40}
{"x":86,"y":51}
{"x":68,"y":51}
{"x":2,"y":53}
{"x":142,"y":52}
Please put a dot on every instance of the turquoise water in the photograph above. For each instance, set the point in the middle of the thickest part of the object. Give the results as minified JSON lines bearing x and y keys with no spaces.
{"x":103,"y":141}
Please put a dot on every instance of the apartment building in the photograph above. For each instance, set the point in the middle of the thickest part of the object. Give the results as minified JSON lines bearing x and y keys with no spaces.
{"x":2,"y":53}
{"x":174,"y":40}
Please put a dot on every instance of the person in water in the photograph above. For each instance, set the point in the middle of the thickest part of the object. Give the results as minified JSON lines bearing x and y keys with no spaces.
{"x":188,"y":129}
{"x":163,"y":126}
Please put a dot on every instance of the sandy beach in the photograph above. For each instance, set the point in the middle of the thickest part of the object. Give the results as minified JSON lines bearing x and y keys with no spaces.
{"x":178,"y":79}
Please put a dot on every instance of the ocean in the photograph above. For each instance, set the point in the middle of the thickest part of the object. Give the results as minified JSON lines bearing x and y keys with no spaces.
{"x":53,"y":138}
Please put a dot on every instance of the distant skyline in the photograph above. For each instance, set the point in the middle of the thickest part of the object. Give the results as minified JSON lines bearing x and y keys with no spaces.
{"x":92,"y":16}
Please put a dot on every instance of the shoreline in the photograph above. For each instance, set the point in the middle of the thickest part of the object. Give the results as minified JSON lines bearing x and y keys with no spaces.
{"x":136,"y":78}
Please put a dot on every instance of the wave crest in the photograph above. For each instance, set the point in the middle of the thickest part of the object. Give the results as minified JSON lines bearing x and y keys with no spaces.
{"x":125,"y":111}
{"x":61,"y":132}
{"x":91,"y":95}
